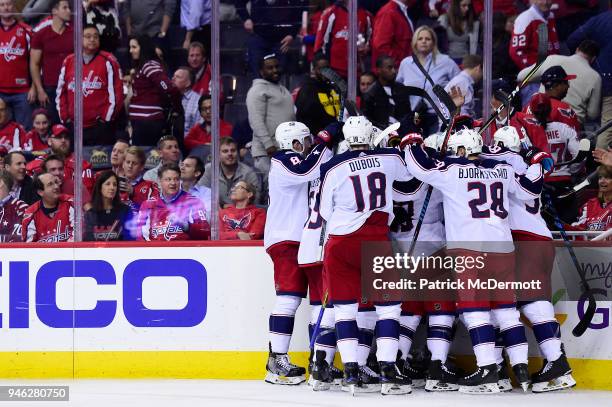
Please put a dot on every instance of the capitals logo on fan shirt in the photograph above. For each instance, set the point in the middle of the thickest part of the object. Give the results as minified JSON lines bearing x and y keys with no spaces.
{"x":166,"y":229}
{"x":90,"y":83}
{"x":10,"y":51}
{"x":238,"y":224}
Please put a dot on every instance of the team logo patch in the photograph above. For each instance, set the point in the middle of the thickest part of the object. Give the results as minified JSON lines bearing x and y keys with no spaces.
{"x":237,"y":224}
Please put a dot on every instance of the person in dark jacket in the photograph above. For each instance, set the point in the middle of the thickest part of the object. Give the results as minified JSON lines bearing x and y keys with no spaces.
{"x":23,"y":187}
{"x":317,"y":103}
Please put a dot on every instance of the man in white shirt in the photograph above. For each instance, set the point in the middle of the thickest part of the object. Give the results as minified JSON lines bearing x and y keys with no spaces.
{"x":465,"y":80}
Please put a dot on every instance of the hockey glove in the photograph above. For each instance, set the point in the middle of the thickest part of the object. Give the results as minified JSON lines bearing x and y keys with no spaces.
{"x":330,"y":135}
{"x":534,"y":156}
{"x":410,"y":139}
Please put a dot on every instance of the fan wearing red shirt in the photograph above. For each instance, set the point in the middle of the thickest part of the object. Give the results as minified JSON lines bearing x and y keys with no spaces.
{"x":596,"y":214}
{"x":36,"y":139}
{"x":12,"y":211}
{"x":134,"y":190}
{"x":393,"y":31}
{"x":11,"y":132}
{"x":201,"y":133}
{"x":242,"y":220}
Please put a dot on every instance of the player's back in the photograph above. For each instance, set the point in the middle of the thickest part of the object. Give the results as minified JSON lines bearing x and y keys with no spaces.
{"x":564,"y":145}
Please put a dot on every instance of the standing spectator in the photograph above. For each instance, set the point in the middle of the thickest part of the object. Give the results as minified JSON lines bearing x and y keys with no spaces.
{"x":317,"y":103}
{"x":393,"y":30}
{"x":11,"y":132}
{"x":133,"y":188}
{"x":596,"y":214}
{"x":242,"y":220}
{"x":51,"y":44}
{"x":584,"y":93}
{"x":15,"y":87}
{"x":108,"y":219}
{"x":503,"y":66}
{"x":170,"y":154}
{"x":35,"y":10}
{"x":102,"y":91}
{"x":441,"y":68}
{"x":571,"y":14}
{"x":36,"y":139}
{"x":387,"y":101}
{"x":198,"y":62}
{"x":201,"y":133}
{"x":118,"y":156}
{"x":315,"y":10}
{"x":12,"y":209}
{"x":104,"y":15}
{"x":151,"y":18}
{"x":332,"y":35}
{"x":597,"y":29}
{"x":192,"y":169}
{"x":231,"y":172}
{"x":466,"y":81}
{"x":462,"y":29}
{"x":183,"y":80}
{"x":272,"y":27}
{"x":195,"y":19}
{"x":269,"y":104}
{"x":23,"y":187}
{"x":51,"y":219}
{"x":153,"y":92}
{"x":175,"y":215}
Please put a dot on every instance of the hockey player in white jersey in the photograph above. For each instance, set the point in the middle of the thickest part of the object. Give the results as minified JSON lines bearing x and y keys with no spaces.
{"x":356,"y":202}
{"x":288,"y":181}
{"x":475,"y":201}
{"x":527,"y":225}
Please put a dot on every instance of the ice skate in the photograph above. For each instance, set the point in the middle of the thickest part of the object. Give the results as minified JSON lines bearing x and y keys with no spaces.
{"x":482,"y":381}
{"x":440,"y":378}
{"x":370,"y":380}
{"x":503,"y":381}
{"x":392,"y":381}
{"x":281,"y":371}
{"x":521,"y":373}
{"x":556,"y":375}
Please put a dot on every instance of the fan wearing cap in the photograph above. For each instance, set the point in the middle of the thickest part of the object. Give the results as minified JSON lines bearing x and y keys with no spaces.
{"x":556,"y":85}
{"x":10,"y":131}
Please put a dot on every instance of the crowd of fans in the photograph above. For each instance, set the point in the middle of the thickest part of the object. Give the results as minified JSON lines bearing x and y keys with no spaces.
{"x":147,"y":113}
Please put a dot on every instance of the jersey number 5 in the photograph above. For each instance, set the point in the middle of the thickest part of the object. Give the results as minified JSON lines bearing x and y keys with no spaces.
{"x":496,"y":198}
{"x":377,"y":185}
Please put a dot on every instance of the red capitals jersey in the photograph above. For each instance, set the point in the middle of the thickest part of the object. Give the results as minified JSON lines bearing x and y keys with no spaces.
{"x":102,"y":89}
{"x":32,"y":141}
{"x":34,"y":168}
{"x":11,"y":135}
{"x":14,"y":58}
{"x":233,"y":220}
{"x":151,"y":89}
{"x":528,"y":128}
{"x":595,"y":216}
{"x":561,"y":112}
{"x":524,"y":44}
{"x":143,"y":191}
{"x":181,"y":218}
{"x":12,"y":211}
{"x":332,"y":35}
{"x":37,"y":226}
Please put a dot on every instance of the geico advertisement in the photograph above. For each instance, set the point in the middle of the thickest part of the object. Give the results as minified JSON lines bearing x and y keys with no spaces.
{"x":181,"y":298}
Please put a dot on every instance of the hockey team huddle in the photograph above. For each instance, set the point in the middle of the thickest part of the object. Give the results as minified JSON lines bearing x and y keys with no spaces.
{"x":333,"y":191}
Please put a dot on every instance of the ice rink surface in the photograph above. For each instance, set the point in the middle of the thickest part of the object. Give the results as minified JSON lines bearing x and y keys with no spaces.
{"x":222,"y":393}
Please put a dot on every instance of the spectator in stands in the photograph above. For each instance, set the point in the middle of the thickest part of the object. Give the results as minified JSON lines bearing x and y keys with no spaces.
{"x":133,"y":188}
{"x":170,"y":154}
{"x":231,"y":172}
{"x":462,"y":29}
{"x":102,"y":91}
{"x":109,"y":219}
{"x":466,"y":80}
{"x":182,"y":80}
{"x":503,"y":66}
{"x":596,"y":214}
{"x":571,"y":14}
{"x":118,"y":156}
{"x":584,"y":93}
{"x":332,"y":35}
{"x":242,"y":220}
{"x":269,"y":104}
{"x":603,"y":157}
{"x":11,"y":132}
{"x":36,"y":139}
{"x":201,"y":133}
{"x":151,"y":18}
{"x":175,"y":215}
{"x":195,"y":19}
{"x":192,"y":169}
{"x":366,"y":80}
{"x":393,"y":31}
{"x":51,"y":44}
{"x":387,"y":101}
{"x":104,"y":15}
{"x":153,"y":93}
{"x":35,"y":10}
{"x":54,"y":165}
{"x":13,"y":211}
{"x":23,"y":187}
{"x":272,"y":28}
{"x":315,"y":10}
{"x":317,"y":103}
{"x":51,"y":219}
{"x":15,"y":87}
{"x":198,"y":62}
{"x":440,"y":67}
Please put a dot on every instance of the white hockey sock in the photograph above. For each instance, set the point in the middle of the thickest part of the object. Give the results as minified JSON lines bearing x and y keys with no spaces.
{"x":482,"y":334}
{"x":546,"y":329}
{"x":408,"y":326}
{"x":439,"y":334}
{"x":281,"y":322}
{"x":314,"y":316}
{"x":387,"y":332}
{"x":346,"y":331}
{"x":366,"y":321}
{"x":513,"y":334}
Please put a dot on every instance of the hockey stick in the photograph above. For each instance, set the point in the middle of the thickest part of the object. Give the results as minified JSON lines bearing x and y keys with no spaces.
{"x":584,"y":323}
{"x":437,"y":89}
{"x":422,"y":93}
{"x":381,"y":136}
{"x":583,"y":152}
{"x":584,"y":184}
{"x":317,"y":327}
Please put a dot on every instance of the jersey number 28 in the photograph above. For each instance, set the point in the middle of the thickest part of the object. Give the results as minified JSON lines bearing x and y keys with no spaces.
{"x":495,"y":196}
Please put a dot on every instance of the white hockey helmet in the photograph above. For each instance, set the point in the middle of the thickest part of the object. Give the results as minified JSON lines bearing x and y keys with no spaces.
{"x":343,"y":146}
{"x":469,"y":139}
{"x":508,"y":137}
{"x":288,"y":132}
{"x":435,"y":140}
{"x":357,"y":131}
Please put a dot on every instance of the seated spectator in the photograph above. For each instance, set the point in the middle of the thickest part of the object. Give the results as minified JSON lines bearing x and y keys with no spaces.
{"x":462,"y":29}
{"x":13,"y":211}
{"x":192,"y":169}
{"x":23,"y":186}
{"x":242,"y":220}
{"x":182,"y":80}
{"x":118,"y":156}
{"x":200,"y":133}
{"x":365,"y":81}
{"x":198,"y":62}
{"x":36,"y":139}
{"x":54,"y":165}
{"x":3,"y":154}
{"x":108,"y":219}
{"x":231,"y":171}
{"x":466,"y":81}
{"x":102,"y":91}
{"x":169,"y":153}
{"x":596,"y":214}
{"x":51,"y":219}
{"x":175,"y":214}
{"x":11,"y":132}
{"x":153,"y":94}
{"x":133,"y":188}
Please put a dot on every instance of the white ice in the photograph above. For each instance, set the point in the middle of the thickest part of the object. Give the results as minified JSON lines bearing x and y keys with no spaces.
{"x":242,"y":393}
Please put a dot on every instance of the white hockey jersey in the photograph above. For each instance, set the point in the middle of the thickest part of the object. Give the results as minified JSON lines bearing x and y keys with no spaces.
{"x":524,"y":215}
{"x":475,"y":197}
{"x":357,"y":183}
{"x":564,"y":145}
{"x":288,"y":189}
{"x":310,"y":251}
